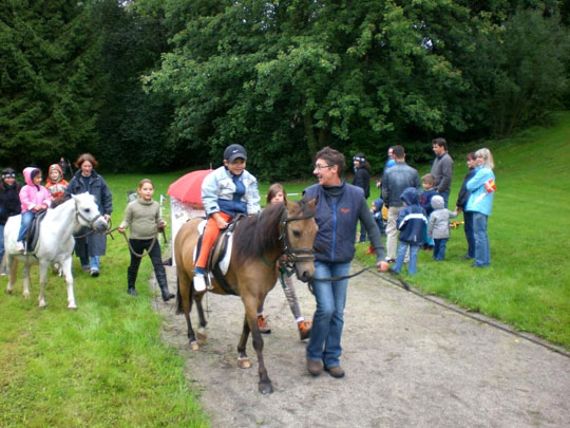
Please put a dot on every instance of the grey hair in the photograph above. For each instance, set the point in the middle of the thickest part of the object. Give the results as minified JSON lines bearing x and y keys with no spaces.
{"x":487,"y":157}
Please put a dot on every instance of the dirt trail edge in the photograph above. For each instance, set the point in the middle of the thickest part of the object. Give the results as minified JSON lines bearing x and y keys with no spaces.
{"x":409,"y":362}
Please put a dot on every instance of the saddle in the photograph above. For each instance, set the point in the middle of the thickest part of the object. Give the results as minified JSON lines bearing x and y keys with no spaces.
{"x":219,"y":257}
{"x":33,"y":233}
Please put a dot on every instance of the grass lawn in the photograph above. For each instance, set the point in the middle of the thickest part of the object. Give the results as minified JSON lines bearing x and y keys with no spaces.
{"x":105,"y":365}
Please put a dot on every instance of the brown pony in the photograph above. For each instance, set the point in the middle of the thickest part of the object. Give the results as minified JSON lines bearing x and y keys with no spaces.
{"x":281,"y":234}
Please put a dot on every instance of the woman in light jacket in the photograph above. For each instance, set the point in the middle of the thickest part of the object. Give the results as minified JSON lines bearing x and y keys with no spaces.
{"x":480,"y":203}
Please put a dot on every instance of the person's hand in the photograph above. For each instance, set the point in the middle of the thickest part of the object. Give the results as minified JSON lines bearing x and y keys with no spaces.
{"x":382,"y":266}
{"x":121,"y":230}
{"x":107,"y":217}
{"x":458,"y":210}
{"x":161,"y":225}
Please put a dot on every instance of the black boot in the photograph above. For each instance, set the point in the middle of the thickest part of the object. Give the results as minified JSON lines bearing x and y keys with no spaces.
{"x":132,"y":291}
{"x":163,"y":284}
{"x":166,"y":295}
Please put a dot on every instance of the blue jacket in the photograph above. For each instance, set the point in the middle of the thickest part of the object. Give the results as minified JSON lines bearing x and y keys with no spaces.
{"x":337,"y":219}
{"x":482,"y":191}
{"x":412,"y":219}
{"x":425,"y":200}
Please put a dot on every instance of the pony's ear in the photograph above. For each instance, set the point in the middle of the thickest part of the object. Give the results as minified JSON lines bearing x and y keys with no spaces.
{"x":312,"y":204}
{"x":73,"y":196}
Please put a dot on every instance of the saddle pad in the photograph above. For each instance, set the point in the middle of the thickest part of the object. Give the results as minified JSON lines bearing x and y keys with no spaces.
{"x":224,"y":263}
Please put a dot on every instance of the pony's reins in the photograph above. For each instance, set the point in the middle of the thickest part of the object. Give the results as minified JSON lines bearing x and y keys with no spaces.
{"x":404,"y":285}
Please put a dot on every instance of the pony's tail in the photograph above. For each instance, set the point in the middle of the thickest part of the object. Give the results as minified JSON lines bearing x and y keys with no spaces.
{"x":178,"y":297}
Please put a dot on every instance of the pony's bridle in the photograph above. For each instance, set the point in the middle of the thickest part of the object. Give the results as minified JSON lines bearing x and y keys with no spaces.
{"x":79,"y":215}
{"x":292,"y":255}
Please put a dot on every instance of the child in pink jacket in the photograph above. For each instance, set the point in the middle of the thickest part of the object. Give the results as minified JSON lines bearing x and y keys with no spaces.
{"x":34,"y":198}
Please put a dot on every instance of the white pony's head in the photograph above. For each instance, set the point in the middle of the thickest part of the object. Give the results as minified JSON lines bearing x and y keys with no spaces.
{"x":88,"y":214}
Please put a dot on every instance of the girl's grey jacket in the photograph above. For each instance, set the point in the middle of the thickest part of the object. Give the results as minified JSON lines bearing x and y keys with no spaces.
{"x":438,"y":224}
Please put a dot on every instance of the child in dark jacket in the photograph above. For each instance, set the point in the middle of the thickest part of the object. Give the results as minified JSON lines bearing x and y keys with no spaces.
{"x":376,"y":211}
{"x":411,"y":223}
{"x":9,"y":203}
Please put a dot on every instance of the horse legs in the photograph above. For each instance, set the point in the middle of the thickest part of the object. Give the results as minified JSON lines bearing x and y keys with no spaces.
{"x":185,"y":292}
{"x":26,"y":278}
{"x":44,"y":266}
{"x":12,"y":265}
{"x":201,"y":316}
{"x":65,"y":267}
{"x":243,"y":360}
{"x":250,"y":323}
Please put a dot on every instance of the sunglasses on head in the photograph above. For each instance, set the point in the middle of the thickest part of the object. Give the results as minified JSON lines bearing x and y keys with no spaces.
{"x":11,"y":175}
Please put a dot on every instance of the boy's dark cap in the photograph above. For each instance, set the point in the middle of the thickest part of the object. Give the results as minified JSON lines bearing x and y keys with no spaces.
{"x":235,"y":151}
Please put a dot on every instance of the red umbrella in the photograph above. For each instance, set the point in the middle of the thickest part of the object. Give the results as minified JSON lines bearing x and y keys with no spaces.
{"x":187,"y":188}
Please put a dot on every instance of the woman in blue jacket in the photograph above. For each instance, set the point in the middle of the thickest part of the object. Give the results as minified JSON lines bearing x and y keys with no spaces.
{"x":339,"y":208}
{"x":480,"y":203}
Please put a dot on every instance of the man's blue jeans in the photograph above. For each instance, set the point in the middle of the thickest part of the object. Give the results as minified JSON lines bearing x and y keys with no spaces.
{"x":412,"y":263}
{"x":328,"y":321}
{"x":482,"y":252}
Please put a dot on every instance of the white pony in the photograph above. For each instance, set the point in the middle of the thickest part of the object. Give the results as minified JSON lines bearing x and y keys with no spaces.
{"x":55,"y":242}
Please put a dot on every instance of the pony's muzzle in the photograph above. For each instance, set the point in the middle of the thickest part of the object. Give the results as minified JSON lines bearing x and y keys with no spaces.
{"x":305,"y":273}
{"x":100,"y":225}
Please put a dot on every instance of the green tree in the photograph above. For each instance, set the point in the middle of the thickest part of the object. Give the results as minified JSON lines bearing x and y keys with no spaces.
{"x":47,"y":79}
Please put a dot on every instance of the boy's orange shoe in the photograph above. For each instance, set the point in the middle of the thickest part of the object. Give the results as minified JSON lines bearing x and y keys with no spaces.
{"x":262,"y":325}
{"x":304,"y":329}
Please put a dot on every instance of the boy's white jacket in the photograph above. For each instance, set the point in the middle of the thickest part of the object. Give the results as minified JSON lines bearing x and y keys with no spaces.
{"x":219,"y":185}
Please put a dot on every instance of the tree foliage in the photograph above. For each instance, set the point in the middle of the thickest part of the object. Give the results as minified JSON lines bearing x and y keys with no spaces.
{"x":148,"y":84}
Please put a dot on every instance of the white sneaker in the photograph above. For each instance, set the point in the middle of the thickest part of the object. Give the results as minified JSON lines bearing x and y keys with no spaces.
{"x":20,"y":247}
{"x":199,"y":282}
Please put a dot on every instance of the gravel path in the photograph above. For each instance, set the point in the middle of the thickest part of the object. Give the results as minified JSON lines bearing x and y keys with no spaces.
{"x":409,"y":362}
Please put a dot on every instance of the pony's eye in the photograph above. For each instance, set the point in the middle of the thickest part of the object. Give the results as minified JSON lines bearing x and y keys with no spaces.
{"x":296,"y":234}
{"x":87,"y":210}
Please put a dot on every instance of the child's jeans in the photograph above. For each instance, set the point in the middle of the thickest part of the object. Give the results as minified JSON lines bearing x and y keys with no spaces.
{"x":412,"y":263}
{"x":27,"y":219}
{"x":439,"y":249}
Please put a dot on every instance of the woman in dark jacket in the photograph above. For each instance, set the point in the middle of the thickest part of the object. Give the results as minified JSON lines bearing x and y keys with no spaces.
{"x":362,"y":180}
{"x":460,"y":206}
{"x":90,"y":246}
{"x":9,"y":205}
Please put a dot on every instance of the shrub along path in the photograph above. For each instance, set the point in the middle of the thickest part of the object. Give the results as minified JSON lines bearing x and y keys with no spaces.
{"x":409,"y":362}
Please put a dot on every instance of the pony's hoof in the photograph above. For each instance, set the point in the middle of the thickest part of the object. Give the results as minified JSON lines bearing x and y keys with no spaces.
{"x":9,"y":291}
{"x":194,"y":345}
{"x":72,"y":306}
{"x":245,"y":363}
{"x":201,"y":333}
{"x":26,"y":295}
{"x":42,"y":304}
{"x":265,"y":387}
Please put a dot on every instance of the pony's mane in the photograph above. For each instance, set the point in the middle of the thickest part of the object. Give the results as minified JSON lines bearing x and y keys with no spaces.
{"x":257,"y":234}
{"x":60,"y":201}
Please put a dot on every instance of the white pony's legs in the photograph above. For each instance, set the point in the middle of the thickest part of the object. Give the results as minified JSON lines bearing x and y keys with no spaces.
{"x":66,"y":269}
{"x":12,"y":264}
{"x":26,"y":280}
{"x":44,"y":266}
